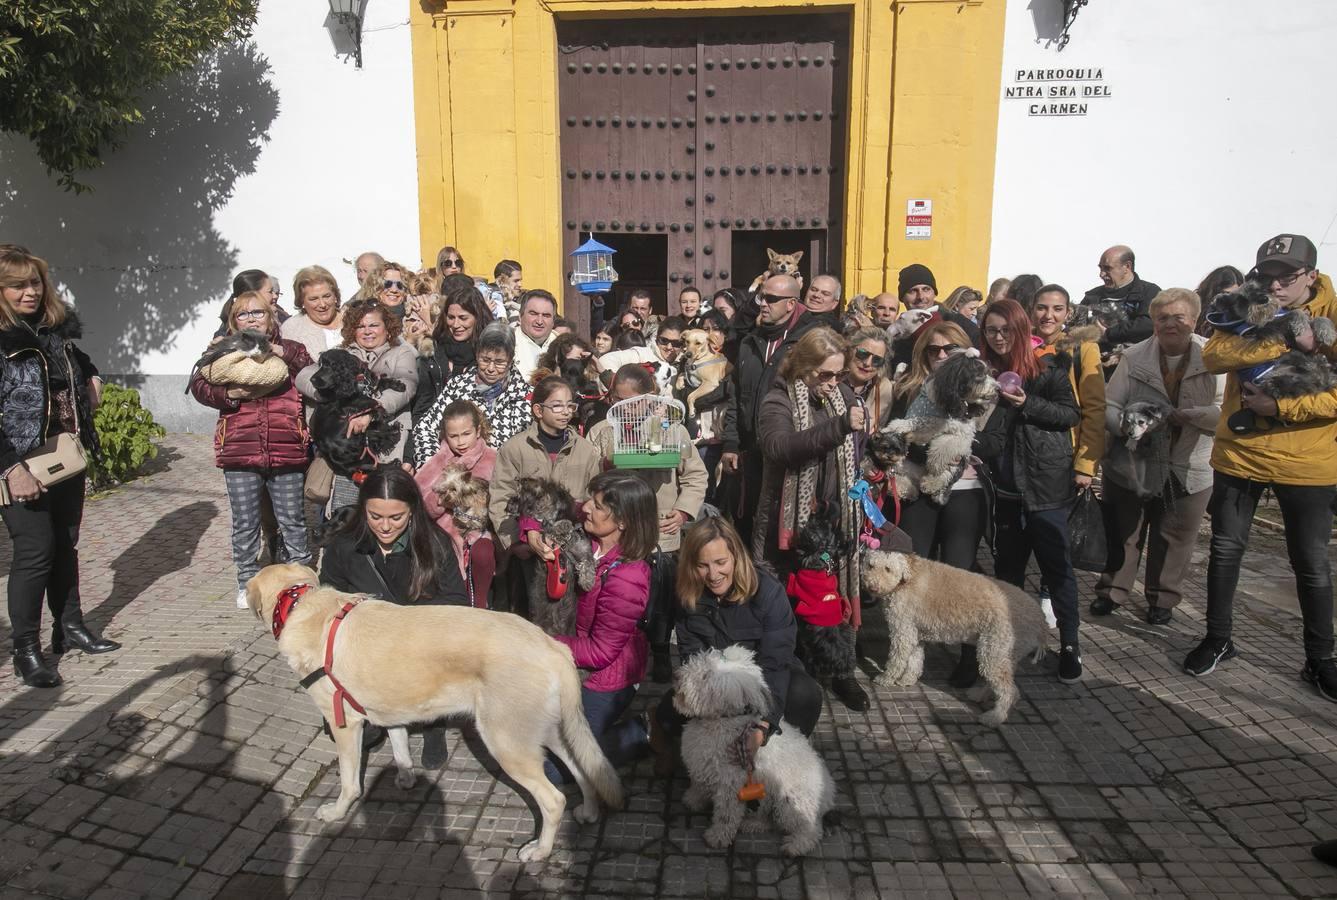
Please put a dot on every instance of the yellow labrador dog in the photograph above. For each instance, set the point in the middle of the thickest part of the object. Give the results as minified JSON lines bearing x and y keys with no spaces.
{"x":407,"y":664}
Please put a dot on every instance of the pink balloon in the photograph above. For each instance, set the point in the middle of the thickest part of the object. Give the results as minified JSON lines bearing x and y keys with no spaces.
{"x":1009,"y":382}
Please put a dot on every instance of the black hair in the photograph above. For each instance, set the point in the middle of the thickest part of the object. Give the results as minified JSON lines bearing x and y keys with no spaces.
{"x":628,"y":339}
{"x":673,"y":323}
{"x":390,"y":482}
{"x":562,"y":322}
{"x":248,"y":280}
{"x":467,"y":297}
{"x":538,"y":294}
{"x":632,"y":505}
{"x":507,"y":267}
{"x":715,"y":317}
{"x":1054,"y":289}
{"x":549,"y":386}
{"x":1023,"y":290}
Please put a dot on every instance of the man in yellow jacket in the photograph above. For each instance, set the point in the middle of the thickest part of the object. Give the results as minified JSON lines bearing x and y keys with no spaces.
{"x":1293,"y":451}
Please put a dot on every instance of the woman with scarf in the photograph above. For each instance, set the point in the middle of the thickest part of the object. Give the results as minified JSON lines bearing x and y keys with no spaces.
{"x":806,"y":431}
{"x":492,"y":383}
{"x":450,"y":351}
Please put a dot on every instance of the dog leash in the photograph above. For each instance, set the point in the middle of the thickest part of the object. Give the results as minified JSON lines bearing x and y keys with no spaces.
{"x":751,"y":789}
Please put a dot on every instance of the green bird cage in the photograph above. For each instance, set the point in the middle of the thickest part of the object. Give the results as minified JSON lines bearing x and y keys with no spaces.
{"x":646,"y":433}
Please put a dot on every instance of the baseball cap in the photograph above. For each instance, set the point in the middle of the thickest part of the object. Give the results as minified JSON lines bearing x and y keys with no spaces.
{"x":1291,"y":250}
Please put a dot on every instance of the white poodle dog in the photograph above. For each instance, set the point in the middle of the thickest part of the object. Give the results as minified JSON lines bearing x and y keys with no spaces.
{"x":932,"y":601}
{"x":722,"y":693}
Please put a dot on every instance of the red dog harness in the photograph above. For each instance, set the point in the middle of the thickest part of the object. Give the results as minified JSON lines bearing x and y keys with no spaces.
{"x":288,"y":600}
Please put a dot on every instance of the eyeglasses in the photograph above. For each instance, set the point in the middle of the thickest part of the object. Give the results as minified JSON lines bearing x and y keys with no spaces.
{"x":558,"y":407}
{"x":998,"y":332}
{"x":492,"y":364}
{"x":944,"y":349}
{"x":823,"y":375}
{"x":1283,"y":280}
{"x":863,"y":355}
{"x":665,"y":342}
{"x":773,"y":298}
{"x":251,"y":314}
{"x":397,"y":285}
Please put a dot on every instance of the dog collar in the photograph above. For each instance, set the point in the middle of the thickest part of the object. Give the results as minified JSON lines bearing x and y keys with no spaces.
{"x":288,"y":600}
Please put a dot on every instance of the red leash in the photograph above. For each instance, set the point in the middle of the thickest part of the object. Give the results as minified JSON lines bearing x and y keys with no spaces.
{"x":341,"y":694}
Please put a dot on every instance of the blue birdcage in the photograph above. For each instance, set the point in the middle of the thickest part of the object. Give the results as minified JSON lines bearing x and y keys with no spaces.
{"x":592,"y":271}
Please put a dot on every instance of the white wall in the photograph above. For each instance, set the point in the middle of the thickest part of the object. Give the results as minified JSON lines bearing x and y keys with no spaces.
{"x":1219,"y":132}
{"x":272,"y":156}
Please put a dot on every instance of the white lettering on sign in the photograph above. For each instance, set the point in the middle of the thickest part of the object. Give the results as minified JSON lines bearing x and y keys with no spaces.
{"x":1065,"y":90}
{"x":918,"y":220}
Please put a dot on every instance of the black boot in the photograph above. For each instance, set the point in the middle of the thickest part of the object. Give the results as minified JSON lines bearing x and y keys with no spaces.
{"x":850,"y":693}
{"x":31,"y":666}
{"x":967,"y":671}
{"x":80,"y":638}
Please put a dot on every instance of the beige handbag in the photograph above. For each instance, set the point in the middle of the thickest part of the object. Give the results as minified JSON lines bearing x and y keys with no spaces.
{"x":319,"y":481}
{"x":59,"y":459}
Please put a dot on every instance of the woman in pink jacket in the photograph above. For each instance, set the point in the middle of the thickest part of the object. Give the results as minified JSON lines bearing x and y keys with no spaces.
{"x":609,"y":645}
{"x":464,"y":434}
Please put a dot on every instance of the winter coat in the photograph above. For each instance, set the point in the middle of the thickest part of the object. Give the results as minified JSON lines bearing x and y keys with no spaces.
{"x":1138,"y":378}
{"x":523,"y":456}
{"x":752,"y":377}
{"x":1087,"y":379}
{"x":763,"y":623}
{"x":301,"y":329}
{"x":608,"y":639}
{"x":359,"y":567}
{"x":527,"y":352}
{"x":426,"y":478}
{"x":25,"y":389}
{"x":682,"y":488}
{"x":266,"y":433}
{"x":1029,"y":450}
{"x":510,"y":413}
{"x":1304,"y":450}
{"x":433,"y":373}
{"x":389,"y":361}
{"x":785,"y":449}
{"x":1136,"y":297}
{"x":664,"y":373}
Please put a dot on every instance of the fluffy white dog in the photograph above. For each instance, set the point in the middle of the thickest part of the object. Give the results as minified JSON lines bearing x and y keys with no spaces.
{"x":931,"y":601}
{"x":721,"y":693}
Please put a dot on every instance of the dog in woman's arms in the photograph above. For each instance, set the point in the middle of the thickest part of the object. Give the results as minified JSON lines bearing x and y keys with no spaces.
{"x":553,"y":507}
{"x":932,"y":601}
{"x":347,"y":389}
{"x":723,"y":693}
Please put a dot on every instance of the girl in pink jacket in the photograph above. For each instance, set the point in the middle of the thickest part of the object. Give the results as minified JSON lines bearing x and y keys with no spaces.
{"x":609,"y":645}
{"x":464,"y":446}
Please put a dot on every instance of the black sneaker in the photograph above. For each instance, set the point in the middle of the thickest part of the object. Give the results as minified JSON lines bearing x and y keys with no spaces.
{"x":1158,"y":615}
{"x":1069,"y":664}
{"x":1322,"y":674}
{"x":1204,"y":657}
{"x":1103,"y":606}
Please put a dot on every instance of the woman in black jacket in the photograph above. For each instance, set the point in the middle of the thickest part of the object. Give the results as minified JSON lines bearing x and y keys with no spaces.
{"x":1027,"y":444}
{"x":464,"y":315}
{"x":726,"y":601}
{"x":48,"y":386}
{"x":388,"y":547}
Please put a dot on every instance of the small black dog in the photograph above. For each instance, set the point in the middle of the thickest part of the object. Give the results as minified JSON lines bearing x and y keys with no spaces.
{"x":552,"y":506}
{"x":825,"y":638}
{"x":347,"y":389}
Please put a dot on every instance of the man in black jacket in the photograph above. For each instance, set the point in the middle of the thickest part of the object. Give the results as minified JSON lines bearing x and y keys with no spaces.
{"x":918,"y":289}
{"x":1120,"y":284}
{"x":781,"y":322}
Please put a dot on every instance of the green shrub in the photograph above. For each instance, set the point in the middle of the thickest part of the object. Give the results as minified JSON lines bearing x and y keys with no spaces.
{"x":126,"y":431}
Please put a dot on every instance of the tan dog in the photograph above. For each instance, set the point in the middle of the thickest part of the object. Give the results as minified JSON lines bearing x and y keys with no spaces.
{"x":703,"y":369}
{"x":781,"y":264}
{"x":407,"y":664}
{"x":932,"y":601}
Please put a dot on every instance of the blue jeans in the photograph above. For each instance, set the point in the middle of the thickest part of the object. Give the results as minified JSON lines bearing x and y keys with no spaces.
{"x":620,"y":741}
{"x":1021,"y":532}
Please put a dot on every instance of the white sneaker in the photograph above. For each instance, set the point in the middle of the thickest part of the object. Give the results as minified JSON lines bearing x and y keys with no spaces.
{"x":1047,"y":607}
{"x":241,"y":599}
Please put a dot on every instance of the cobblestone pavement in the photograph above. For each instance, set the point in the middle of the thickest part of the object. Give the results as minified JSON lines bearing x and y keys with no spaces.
{"x":189,"y":764}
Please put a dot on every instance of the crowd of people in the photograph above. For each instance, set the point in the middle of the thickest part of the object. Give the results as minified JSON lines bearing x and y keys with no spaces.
{"x":783,"y":388}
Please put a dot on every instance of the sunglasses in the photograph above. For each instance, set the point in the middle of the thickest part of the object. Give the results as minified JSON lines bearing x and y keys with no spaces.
{"x":940,"y":349}
{"x":665,"y":342}
{"x":452,"y":263}
{"x":829,"y":376}
{"x":397,"y":285}
{"x":863,"y":355}
{"x":773,"y":298}
{"x":1283,"y":280}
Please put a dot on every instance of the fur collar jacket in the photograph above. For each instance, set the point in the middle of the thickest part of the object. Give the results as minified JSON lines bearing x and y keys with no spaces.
{"x":25,"y":386}
{"x":1087,"y":377}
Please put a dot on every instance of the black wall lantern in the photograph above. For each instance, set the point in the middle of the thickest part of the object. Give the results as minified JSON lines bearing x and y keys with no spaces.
{"x":1070,"y":10}
{"x":348,"y":13}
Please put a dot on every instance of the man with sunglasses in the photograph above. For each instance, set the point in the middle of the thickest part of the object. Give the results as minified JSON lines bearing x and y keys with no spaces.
{"x":661,"y":355}
{"x":1120,"y":283}
{"x":1296,"y":457}
{"x":782,"y":320}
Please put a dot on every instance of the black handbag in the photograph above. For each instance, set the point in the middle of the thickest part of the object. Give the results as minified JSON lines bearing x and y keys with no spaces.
{"x":1086,"y":525}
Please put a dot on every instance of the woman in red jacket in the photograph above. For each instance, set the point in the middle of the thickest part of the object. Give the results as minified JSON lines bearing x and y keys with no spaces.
{"x":620,"y":519}
{"x":261,"y":438}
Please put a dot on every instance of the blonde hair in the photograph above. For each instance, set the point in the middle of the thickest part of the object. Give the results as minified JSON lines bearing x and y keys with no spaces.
{"x":691,"y":585}
{"x":961,"y":296}
{"x":309,"y":276}
{"x":241,"y":300}
{"x":909,"y":383}
{"x":807,"y":356}
{"x":17,"y":266}
{"x":1176,"y":295}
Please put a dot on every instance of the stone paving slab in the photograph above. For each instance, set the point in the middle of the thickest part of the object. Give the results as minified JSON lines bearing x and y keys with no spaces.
{"x":189,"y":764}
